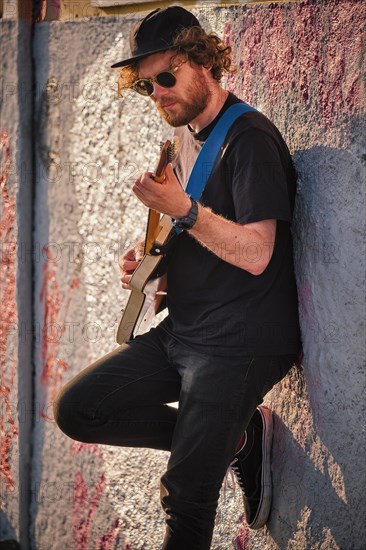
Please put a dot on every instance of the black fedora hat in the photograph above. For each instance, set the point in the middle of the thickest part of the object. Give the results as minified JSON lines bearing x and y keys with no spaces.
{"x":156,"y":32}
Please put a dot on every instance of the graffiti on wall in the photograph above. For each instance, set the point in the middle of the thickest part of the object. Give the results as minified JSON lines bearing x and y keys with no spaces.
{"x":272,"y":41}
{"x":242,"y":539}
{"x":85,"y":505}
{"x":55,"y":308}
{"x":85,"y":501}
{"x":8,"y":427}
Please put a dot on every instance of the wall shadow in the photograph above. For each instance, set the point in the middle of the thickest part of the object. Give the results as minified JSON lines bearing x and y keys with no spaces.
{"x":319,"y":445}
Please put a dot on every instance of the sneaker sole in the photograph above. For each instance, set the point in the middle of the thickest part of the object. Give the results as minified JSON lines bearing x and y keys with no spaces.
{"x":264,"y":507}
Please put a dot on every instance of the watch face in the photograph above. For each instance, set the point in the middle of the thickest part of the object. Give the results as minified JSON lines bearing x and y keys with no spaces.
{"x":183,"y":223}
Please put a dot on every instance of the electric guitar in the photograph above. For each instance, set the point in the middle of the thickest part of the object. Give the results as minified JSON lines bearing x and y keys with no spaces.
{"x":147,"y":293}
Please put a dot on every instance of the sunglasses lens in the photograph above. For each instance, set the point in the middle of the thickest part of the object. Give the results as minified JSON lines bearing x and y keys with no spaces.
{"x":144,"y":87}
{"x":165,"y":79}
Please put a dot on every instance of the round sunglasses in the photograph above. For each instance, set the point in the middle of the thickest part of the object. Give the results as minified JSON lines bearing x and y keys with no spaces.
{"x":166,"y":79}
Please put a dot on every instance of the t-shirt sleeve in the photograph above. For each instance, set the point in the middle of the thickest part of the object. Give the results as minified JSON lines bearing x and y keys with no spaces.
{"x":259,"y":179}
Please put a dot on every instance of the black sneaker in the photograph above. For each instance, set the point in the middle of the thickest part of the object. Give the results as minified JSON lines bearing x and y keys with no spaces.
{"x":252,"y":466}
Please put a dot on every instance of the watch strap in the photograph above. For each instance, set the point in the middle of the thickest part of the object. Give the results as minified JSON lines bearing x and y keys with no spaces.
{"x":188,"y":221}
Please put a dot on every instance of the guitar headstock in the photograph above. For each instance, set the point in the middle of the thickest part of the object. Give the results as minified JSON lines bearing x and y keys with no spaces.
{"x":168,"y":151}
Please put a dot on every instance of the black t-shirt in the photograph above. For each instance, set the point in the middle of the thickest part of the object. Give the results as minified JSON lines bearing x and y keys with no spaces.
{"x":218,"y":308}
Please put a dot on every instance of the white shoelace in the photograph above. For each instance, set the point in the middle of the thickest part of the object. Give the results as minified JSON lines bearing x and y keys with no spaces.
{"x":231,"y":471}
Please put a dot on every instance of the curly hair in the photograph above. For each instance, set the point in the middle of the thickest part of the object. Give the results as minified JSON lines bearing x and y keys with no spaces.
{"x":199,"y":47}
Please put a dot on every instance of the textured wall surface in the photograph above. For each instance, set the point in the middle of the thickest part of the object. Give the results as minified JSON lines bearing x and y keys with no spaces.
{"x":16,"y":415}
{"x":9,"y":426}
{"x":301,"y":64}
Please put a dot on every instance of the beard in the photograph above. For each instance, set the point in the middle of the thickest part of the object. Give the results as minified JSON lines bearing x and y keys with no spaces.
{"x":198,"y":95}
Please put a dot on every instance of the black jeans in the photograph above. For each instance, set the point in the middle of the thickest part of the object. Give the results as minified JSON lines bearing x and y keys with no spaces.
{"x":122,"y":399}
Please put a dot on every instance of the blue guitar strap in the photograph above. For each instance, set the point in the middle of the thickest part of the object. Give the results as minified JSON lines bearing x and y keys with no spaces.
{"x":202,"y":168}
{"x":205,"y":161}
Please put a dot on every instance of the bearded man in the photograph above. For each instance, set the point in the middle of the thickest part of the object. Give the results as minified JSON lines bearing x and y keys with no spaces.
{"x":232,"y":329}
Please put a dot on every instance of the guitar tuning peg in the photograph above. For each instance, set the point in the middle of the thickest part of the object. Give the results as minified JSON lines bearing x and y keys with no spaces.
{"x":176,"y":144}
{"x":173,"y":149}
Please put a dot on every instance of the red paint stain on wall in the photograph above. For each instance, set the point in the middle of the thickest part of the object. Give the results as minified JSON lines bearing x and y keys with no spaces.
{"x":55,"y":308}
{"x":306,"y":301}
{"x":107,"y":541}
{"x":8,"y":428}
{"x":242,"y":541}
{"x":308,"y":51}
{"x":82,"y":525}
{"x":84,"y":510}
{"x":77,"y":447}
{"x":267,"y":51}
{"x":229,"y":40}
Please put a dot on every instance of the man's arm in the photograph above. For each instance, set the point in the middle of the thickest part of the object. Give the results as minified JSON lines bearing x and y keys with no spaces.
{"x":248,"y":246}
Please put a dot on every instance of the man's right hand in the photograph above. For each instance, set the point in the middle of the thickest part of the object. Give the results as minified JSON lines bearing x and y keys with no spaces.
{"x":128,"y":262}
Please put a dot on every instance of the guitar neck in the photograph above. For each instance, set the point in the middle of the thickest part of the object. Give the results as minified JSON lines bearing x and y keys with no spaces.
{"x":154,"y":217}
{"x":163,"y":161}
{"x":151,"y":229}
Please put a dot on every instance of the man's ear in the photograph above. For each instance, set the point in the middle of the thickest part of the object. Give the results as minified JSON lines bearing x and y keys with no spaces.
{"x":208,"y":67}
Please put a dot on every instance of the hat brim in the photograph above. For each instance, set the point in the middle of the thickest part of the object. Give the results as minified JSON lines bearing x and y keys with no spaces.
{"x":132,"y":60}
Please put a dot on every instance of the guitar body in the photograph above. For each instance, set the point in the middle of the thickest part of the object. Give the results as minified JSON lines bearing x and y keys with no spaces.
{"x":141,"y":308}
{"x":146,"y":294}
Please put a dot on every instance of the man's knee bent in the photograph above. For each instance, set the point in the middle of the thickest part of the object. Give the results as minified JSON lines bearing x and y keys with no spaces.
{"x":72,"y":416}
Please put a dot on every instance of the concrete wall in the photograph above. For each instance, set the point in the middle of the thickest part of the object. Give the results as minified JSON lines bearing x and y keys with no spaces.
{"x":301,"y":64}
{"x":16,"y":183}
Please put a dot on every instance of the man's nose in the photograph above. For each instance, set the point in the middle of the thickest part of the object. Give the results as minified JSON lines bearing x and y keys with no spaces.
{"x":158,"y":91}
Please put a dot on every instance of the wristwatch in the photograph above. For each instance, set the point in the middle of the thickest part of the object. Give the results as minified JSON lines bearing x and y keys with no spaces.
{"x":188,"y":221}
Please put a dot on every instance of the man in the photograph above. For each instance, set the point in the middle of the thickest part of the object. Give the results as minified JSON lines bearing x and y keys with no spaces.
{"x":232,"y":327}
